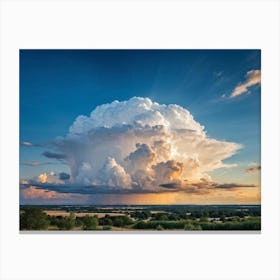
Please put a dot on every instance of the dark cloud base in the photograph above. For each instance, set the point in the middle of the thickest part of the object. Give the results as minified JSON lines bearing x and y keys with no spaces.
{"x":54,"y":155}
{"x":164,"y":188}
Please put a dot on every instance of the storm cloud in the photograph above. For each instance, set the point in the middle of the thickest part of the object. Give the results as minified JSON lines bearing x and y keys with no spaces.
{"x":54,"y":155}
{"x":139,"y":145}
{"x":64,"y":176}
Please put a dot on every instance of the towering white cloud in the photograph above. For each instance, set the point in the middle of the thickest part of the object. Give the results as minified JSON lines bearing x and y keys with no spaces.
{"x":140,"y":145}
{"x":113,"y":175}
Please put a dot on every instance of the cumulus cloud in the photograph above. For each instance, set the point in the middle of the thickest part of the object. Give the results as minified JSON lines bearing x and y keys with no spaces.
{"x":253,"y":77}
{"x":253,"y":169}
{"x":32,"y":192}
{"x":113,"y":175}
{"x":138,"y":146}
{"x":35,"y":195}
{"x":47,"y":178}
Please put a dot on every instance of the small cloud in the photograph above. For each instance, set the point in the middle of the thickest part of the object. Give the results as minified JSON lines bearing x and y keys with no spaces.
{"x":253,"y":169}
{"x":64,"y":176}
{"x":35,"y":163}
{"x":253,"y":77}
{"x":30,"y":144}
{"x":24,"y":182}
{"x":218,"y":74}
{"x":25,"y":143}
{"x":233,"y":186}
{"x":171,"y":186}
{"x":54,"y":155}
{"x":32,"y":163}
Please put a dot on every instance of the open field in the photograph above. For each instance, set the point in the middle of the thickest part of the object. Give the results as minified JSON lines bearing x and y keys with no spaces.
{"x":66,"y":214}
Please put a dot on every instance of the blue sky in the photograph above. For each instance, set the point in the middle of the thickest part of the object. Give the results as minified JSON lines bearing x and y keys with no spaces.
{"x":58,"y":85}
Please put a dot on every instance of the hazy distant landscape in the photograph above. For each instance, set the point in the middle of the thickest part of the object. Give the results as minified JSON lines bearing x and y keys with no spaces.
{"x":141,"y":217}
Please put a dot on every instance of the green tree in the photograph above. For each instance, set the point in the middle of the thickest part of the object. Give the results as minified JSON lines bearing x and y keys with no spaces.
{"x":160,"y":217}
{"x":118,"y":222}
{"x":78,"y":222}
{"x":33,"y":218}
{"x":140,"y":225}
{"x":90,"y":222}
{"x":107,"y":221}
{"x":66,"y":223}
{"x":121,"y":221}
{"x":223,"y":218}
{"x":189,"y":226}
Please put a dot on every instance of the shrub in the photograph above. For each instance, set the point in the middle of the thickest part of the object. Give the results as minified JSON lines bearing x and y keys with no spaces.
{"x":159,"y":227}
{"x":106,"y":228}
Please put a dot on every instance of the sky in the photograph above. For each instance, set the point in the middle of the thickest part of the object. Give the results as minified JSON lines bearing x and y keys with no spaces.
{"x":140,"y":126}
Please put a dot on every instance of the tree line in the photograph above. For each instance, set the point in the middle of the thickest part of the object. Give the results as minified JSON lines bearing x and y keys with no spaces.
{"x":33,"y":218}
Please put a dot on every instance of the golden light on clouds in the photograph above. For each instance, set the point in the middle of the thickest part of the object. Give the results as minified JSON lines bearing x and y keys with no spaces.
{"x":42,"y":178}
{"x":140,"y":152}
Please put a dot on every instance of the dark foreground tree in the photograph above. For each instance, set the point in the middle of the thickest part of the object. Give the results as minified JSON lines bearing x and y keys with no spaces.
{"x":33,"y":218}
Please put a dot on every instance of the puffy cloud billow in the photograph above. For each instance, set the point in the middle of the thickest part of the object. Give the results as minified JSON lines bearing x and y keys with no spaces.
{"x":140,"y":146}
{"x":48,"y":178}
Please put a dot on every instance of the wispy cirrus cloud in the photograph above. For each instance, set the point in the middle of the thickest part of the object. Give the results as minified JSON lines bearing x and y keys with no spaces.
{"x":27,"y":144}
{"x":233,"y":186}
{"x":36,"y":163}
{"x":31,"y":144}
{"x":218,"y":74}
{"x":253,"y":77}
